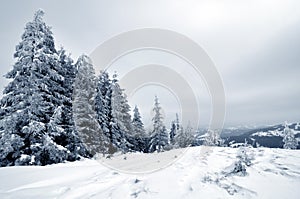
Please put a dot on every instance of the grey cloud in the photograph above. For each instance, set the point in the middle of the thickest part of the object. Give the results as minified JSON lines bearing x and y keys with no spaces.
{"x":257,"y":51}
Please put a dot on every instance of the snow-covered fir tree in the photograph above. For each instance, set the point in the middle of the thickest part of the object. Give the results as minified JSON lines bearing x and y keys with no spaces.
{"x":189,"y":131}
{"x":73,"y":142}
{"x":175,"y":127}
{"x":84,"y":107}
{"x":68,"y":70}
{"x":159,"y":140}
{"x":120,"y":125}
{"x":137,"y":124}
{"x":103,"y":102}
{"x":184,"y":137}
{"x":11,"y":148}
{"x":139,"y":132}
{"x":28,"y":101}
{"x":159,"y":137}
{"x":177,"y":123}
{"x":157,"y":118}
{"x":173,"y":133}
{"x":55,"y":142}
{"x":212,"y":138}
{"x":31,"y":98}
{"x":289,"y":140}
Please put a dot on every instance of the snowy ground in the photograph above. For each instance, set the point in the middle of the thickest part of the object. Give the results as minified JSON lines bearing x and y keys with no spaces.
{"x":200,"y":173}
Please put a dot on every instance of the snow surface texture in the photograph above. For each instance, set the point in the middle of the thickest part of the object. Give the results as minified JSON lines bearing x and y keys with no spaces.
{"x":202,"y":172}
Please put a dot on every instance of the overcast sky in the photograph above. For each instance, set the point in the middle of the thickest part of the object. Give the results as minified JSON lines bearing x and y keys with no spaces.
{"x":255,"y":45}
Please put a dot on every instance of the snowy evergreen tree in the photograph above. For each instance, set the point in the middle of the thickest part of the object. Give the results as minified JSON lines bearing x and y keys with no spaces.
{"x":244,"y":159}
{"x":244,"y":154}
{"x":198,"y":137}
{"x":103,"y":102}
{"x":157,"y":119}
{"x":56,"y":127}
{"x":159,"y":138}
{"x":10,"y":148}
{"x":84,"y":107}
{"x":175,"y":130}
{"x":120,"y":125}
{"x":64,"y":139}
{"x":139,"y":133}
{"x":212,"y":138}
{"x":31,"y":98}
{"x":173,"y":133}
{"x":68,"y":136}
{"x":184,"y":138}
{"x":163,"y":140}
{"x":51,"y":152}
{"x":177,"y":123}
{"x":289,"y":140}
{"x":68,"y":70}
{"x":137,"y":124}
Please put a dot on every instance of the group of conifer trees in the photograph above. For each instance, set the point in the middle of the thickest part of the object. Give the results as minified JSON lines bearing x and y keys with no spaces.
{"x":54,"y":110}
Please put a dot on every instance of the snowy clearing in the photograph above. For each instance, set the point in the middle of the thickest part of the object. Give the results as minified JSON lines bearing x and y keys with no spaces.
{"x":202,"y":172}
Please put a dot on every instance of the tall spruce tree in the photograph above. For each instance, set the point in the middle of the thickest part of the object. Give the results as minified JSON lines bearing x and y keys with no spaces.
{"x":177,"y":123}
{"x":103,"y":102}
{"x":84,"y":107}
{"x":139,"y":133}
{"x":137,"y":124}
{"x":159,"y":137}
{"x":175,"y":130}
{"x":69,"y":136}
{"x":173,"y":133}
{"x":31,"y":98}
{"x":121,"y":120}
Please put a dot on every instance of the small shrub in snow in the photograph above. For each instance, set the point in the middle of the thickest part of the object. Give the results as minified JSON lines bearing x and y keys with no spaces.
{"x":243,"y":155}
{"x":244,"y":159}
{"x":239,"y":168}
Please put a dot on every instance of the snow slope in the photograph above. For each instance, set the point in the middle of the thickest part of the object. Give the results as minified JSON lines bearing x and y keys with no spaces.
{"x":201,"y":172}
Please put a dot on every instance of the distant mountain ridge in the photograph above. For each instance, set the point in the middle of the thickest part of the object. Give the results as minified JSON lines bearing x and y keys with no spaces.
{"x":270,"y":136}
